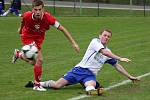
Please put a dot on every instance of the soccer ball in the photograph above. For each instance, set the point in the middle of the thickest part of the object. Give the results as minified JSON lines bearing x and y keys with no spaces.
{"x":29,"y":51}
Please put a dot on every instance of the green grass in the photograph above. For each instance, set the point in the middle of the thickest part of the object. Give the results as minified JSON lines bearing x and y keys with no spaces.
{"x":130,"y":39}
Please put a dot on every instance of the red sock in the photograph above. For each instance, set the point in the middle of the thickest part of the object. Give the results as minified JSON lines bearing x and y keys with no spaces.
{"x":19,"y":54}
{"x":37,"y":73}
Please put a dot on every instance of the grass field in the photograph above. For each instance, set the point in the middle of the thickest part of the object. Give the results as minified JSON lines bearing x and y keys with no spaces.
{"x":130,"y":39}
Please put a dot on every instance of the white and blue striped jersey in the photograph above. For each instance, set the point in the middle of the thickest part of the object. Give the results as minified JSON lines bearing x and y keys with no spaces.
{"x":93,"y":59}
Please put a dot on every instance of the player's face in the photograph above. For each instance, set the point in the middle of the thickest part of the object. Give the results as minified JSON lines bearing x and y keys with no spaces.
{"x":37,"y":10}
{"x":104,"y":37}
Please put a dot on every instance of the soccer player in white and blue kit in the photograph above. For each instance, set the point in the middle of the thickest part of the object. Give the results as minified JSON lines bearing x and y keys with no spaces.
{"x":85,"y":72}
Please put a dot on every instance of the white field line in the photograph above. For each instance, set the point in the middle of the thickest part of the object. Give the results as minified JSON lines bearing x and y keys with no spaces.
{"x":110,"y":87}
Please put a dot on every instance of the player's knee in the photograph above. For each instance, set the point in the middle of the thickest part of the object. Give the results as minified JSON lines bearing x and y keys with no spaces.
{"x":39,"y":61}
{"x":90,"y":83}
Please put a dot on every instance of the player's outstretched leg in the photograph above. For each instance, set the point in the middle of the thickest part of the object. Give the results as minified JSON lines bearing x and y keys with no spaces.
{"x":47,"y":84}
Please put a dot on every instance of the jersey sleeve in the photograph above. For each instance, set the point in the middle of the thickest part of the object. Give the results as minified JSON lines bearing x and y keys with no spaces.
{"x":57,"y":24}
{"x":51,"y":19}
{"x":111,"y":61}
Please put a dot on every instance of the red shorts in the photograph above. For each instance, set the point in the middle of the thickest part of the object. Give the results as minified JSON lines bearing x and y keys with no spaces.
{"x":28,"y":40}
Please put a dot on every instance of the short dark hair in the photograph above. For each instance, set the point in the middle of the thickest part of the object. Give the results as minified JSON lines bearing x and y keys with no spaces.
{"x":107,"y":30}
{"x":37,"y":3}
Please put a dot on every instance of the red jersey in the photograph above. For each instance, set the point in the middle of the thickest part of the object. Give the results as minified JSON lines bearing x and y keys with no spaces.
{"x":36,"y":28}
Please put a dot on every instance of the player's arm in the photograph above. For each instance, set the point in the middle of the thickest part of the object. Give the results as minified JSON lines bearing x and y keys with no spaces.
{"x":111,"y":55}
{"x":69,"y":37}
{"x":120,"y":69}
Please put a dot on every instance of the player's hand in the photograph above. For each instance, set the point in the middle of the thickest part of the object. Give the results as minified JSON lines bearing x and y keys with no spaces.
{"x":134,"y":79}
{"x":125,"y":59}
{"x":76,"y":47}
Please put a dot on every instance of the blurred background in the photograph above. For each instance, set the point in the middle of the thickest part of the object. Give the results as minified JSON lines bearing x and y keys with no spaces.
{"x":92,"y":7}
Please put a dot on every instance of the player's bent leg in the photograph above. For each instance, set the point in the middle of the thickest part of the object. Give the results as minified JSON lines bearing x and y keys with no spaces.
{"x":17,"y":54}
{"x":90,"y":88}
{"x":90,"y":85}
{"x":98,"y":91}
{"x":32,"y":62}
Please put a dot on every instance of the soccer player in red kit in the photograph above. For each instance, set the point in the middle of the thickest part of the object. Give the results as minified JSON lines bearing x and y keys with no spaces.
{"x":32,"y":30}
